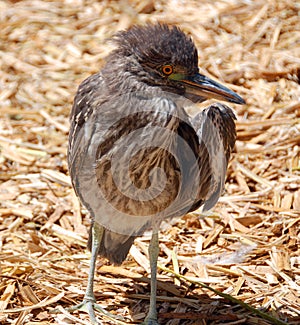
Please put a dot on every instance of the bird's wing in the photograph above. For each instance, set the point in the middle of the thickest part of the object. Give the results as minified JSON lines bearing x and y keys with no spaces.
{"x":82,"y":109}
{"x":216,"y":132}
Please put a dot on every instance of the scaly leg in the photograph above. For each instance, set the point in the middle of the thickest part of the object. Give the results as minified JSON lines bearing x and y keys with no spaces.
{"x":151,"y":318}
{"x":89,"y":302}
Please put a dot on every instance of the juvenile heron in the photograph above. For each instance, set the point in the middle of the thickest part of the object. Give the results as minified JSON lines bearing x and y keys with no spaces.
{"x":135,"y":156}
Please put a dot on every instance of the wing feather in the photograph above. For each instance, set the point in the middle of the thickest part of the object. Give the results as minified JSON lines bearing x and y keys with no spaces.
{"x":216,"y":132}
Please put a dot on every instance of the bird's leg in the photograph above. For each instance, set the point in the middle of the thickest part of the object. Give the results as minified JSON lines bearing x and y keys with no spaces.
{"x":151,"y":318}
{"x":89,"y":301}
{"x":97,"y":233}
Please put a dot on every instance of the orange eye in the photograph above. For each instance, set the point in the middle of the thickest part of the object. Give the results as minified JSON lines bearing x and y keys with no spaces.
{"x":167,"y":70}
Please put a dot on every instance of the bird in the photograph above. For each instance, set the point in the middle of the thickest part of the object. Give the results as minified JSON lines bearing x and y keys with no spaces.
{"x":135,"y":156}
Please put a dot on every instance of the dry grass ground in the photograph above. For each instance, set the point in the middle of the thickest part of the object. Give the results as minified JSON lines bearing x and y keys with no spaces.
{"x":247,"y":247}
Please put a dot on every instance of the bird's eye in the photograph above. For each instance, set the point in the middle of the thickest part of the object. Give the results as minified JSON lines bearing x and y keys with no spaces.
{"x":167,"y":70}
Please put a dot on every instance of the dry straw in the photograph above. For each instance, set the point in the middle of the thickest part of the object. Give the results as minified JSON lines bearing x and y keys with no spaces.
{"x":248,"y":247}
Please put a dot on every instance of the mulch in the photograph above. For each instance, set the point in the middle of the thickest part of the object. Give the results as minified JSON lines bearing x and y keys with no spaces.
{"x":247,"y":247}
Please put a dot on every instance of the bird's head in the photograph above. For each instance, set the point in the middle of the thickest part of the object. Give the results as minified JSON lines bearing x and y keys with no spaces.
{"x":163,"y":56}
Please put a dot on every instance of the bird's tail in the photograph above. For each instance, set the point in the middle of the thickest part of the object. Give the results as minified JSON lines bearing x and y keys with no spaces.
{"x":113,"y":246}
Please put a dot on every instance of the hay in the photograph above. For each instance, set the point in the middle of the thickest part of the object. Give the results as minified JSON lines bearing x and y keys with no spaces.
{"x":247,"y":247}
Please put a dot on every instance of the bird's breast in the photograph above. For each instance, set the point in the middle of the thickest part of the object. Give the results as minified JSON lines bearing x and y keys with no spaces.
{"x":141,"y":163}
{"x":136,"y":166}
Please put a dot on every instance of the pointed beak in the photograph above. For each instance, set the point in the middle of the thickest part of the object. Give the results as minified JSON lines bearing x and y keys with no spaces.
{"x":203,"y":87}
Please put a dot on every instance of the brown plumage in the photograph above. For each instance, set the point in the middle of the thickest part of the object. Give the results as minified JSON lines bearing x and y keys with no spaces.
{"x":135,"y":156}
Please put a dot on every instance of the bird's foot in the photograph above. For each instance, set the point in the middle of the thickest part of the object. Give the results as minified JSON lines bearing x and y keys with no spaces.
{"x":150,"y":321}
{"x":89,"y":305}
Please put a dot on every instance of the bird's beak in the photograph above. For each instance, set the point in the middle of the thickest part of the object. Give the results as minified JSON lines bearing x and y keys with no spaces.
{"x":203,"y":87}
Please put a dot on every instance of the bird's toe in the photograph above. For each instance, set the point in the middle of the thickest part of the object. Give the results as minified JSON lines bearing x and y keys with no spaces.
{"x":150,"y":321}
{"x":89,"y":306}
